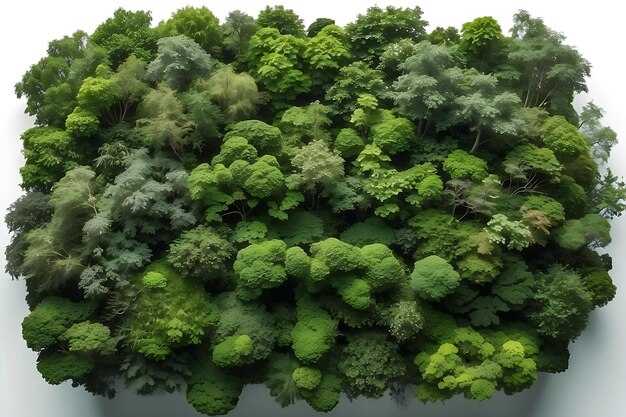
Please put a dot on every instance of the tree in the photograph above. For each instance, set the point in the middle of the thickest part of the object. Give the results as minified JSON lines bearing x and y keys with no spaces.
{"x":196,"y":23}
{"x":275,"y":60}
{"x":547,"y":71}
{"x":285,"y":20}
{"x":563,"y":138}
{"x":211,"y":390}
{"x":314,"y":332}
{"x":590,"y":231}
{"x":608,"y":195}
{"x":49,"y":153}
{"x":563,"y":304}
{"x":353,"y":80}
{"x":179,"y":61}
{"x":429,"y":85}
{"x":55,"y":252}
{"x":369,"y":363}
{"x":600,"y":138}
{"x":50,"y":320}
{"x":349,"y":143}
{"x":259,"y":267}
{"x":146,"y":204}
{"x":372,"y":31}
{"x":317,"y":25}
{"x":303,"y":124}
{"x":326,"y":53}
{"x":481,"y":39}
{"x":515,"y":234}
{"x":265,"y":138}
{"x":163,"y":318}
{"x":433,"y":278}
{"x":238,"y":29}
{"x":461,"y":165}
{"x":24,"y":214}
{"x":236,"y":94}
{"x":445,"y":36}
{"x":238,"y":318}
{"x":393,"y":135}
{"x":530,"y":167}
{"x":163,"y":121}
{"x":50,"y":86}
{"x":511,"y":290}
{"x":126,"y":33}
{"x":318,"y":167}
{"x":200,"y":253}
{"x":58,"y":367}
{"x":486,"y":109}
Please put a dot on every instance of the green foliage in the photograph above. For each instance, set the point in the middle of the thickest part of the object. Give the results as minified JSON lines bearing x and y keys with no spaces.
{"x":285,"y":20}
{"x":50,"y":86}
{"x":372,"y":230}
{"x":52,"y":317}
{"x":563,"y":304}
{"x":236,"y":94}
{"x":369,"y":363}
{"x":433,"y":278}
{"x":179,"y":61}
{"x":87,"y":336}
{"x":317,"y":25}
{"x":280,"y":379}
{"x":196,"y":23}
{"x":49,"y":153}
{"x":154,"y":280}
{"x":317,"y":165}
{"x":238,"y":29}
{"x":326,"y":53}
{"x":314,"y":332}
{"x":59,"y":367}
{"x":164,"y":317}
{"x":303,"y":124}
{"x":211,"y":390}
{"x":471,"y":365}
{"x":563,"y":138}
{"x":544,"y":69}
{"x":510,"y":232}
{"x":326,"y":395}
{"x":429,"y":85}
{"x":306,"y":377}
{"x":356,"y":209}
{"x":200,"y":253}
{"x":348,"y":143}
{"x":461,"y":165}
{"x":277,"y":64}
{"x":352,"y":81}
{"x":126,"y":33}
{"x":258,"y":267}
{"x":393,"y":135}
{"x":265,"y":138}
{"x":25,"y":214}
{"x":238,"y":318}
{"x":377,"y":28}
{"x":511,"y":290}
{"x":590,"y":231}
{"x":600,"y":286}
{"x":481,"y":38}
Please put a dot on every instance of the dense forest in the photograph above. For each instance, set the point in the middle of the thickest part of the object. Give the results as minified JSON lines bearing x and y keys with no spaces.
{"x":366,"y":209}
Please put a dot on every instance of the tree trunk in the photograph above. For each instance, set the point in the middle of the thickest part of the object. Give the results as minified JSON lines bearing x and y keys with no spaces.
{"x":476,"y":141}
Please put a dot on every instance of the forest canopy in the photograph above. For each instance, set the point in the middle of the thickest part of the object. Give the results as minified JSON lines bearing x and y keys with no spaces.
{"x":376,"y":208}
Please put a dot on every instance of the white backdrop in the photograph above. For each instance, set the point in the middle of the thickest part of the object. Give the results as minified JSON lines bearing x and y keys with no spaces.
{"x":593,"y":386}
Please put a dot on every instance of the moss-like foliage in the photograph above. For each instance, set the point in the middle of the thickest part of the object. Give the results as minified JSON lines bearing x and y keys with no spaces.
{"x":353,"y":210}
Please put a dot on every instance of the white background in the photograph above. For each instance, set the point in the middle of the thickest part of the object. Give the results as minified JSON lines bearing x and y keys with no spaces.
{"x":593,"y":386}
